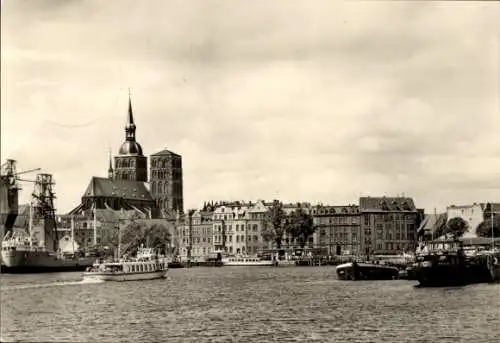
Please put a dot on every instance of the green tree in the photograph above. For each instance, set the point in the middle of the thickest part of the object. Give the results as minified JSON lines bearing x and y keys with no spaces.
{"x":300,"y":225}
{"x":273,"y":229}
{"x":457,"y":227}
{"x":484,"y":229}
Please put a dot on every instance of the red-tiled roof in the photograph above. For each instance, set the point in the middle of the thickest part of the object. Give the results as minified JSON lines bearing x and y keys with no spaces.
{"x":392,"y":204}
{"x":126,"y":189}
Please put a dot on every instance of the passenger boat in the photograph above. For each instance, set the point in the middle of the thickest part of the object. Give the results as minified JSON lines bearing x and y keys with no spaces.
{"x":245,"y":260}
{"x":366,"y":271}
{"x":146,"y":266}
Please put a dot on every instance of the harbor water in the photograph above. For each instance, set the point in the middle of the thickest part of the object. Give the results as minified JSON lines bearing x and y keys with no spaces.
{"x":244,"y":304}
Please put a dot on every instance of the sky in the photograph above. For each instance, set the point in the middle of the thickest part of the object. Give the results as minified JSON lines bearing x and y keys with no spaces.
{"x":302,"y":101}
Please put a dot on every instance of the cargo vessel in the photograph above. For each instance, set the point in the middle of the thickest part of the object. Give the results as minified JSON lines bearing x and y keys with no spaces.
{"x":35,"y":249}
{"x":448,"y":263}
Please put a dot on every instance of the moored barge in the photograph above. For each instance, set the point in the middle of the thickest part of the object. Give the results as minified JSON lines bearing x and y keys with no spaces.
{"x":366,"y":271}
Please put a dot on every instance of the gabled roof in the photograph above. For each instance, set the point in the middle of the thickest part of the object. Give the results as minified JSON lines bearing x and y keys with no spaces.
{"x":126,"y":189}
{"x":165,"y":152}
{"x":432,"y":222}
{"x":390,"y":204}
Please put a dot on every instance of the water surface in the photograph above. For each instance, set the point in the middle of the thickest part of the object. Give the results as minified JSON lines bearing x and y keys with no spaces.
{"x":244,"y":304}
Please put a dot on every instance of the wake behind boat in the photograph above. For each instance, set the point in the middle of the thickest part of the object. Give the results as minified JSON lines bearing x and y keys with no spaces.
{"x":146,"y":266}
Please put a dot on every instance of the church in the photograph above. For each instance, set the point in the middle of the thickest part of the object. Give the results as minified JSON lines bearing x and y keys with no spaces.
{"x":126,"y":185}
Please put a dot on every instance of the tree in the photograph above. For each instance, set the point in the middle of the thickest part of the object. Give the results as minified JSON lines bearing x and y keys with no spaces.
{"x":300,"y":226}
{"x":457,"y":227}
{"x":273,"y":229}
{"x":157,"y":236}
{"x":484,"y":229}
{"x":140,"y":232}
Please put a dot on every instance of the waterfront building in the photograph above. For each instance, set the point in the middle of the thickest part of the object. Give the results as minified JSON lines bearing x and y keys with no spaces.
{"x":237,"y":227}
{"x":388,"y":224}
{"x":473,"y":215}
{"x":166,"y":182}
{"x":338,"y":229}
{"x":253,"y":240}
{"x":194,"y":236}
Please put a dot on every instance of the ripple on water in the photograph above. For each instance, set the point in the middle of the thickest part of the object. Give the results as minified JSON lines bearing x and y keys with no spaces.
{"x":244,"y":304}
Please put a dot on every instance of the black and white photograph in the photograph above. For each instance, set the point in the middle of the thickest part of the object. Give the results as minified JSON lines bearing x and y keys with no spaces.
{"x":250,"y":171}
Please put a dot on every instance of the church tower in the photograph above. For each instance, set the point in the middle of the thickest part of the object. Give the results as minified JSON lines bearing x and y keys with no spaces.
{"x":130,"y":164}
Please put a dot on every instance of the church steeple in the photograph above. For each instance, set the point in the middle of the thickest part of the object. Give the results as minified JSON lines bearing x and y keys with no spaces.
{"x":130,"y":163}
{"x":130,"y":127}
{"x":110,"y":169}
{"x":130,"y":146}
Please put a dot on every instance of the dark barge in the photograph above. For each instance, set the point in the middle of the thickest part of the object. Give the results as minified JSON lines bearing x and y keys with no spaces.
{"x":366,"y":271}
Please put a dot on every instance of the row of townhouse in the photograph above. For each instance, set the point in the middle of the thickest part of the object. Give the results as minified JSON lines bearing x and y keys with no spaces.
{"x":378,"y":225}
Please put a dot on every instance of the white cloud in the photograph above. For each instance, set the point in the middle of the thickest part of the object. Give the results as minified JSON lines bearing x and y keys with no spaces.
{"x":317,"y":102}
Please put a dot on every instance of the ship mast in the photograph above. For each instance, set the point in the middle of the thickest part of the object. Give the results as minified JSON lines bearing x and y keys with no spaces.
{"x":435,"y":224}
{"x":73,"y":233}
{"x":492,"y":230}
{"x":94,"y":224}
{"x":44,"y":197}
{"x":30,"y":223}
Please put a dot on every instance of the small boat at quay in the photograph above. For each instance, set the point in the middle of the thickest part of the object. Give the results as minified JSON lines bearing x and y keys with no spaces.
{"x":245,"y":260}
{"x":146,"y":266}
{"x":366,"y":271}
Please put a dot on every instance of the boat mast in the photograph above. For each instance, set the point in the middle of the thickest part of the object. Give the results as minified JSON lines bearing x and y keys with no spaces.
{"x":119,"y":239}
{"x":73,"y":233}
{"x":435,"y":225}
{"x":94,"y":224}
{"x":30,"y":223}
{"x":492,"y":229}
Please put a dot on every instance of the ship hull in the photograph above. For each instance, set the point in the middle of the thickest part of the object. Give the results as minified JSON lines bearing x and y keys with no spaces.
{"x":41,"y":262}
{"x":366,"y":271}
{"x":450,"y":275}
{"x":104,"y":276}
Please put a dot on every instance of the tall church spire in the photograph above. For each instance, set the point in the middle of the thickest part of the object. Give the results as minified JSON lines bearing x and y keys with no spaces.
{"x":130,"y":127}
{"x":130,"y":146}
{"x":110,"y":169}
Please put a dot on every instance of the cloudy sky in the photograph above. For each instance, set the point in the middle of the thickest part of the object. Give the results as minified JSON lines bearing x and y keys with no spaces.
{"x":300,"y":100}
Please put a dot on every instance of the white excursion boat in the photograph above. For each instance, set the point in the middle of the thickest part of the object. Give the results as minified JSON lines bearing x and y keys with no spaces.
{"x":146,"y":266}
{"x":245,"y":260}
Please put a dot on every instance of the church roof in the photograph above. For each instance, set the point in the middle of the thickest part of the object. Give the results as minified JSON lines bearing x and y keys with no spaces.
{"x":165,"y":152}
{"x":126,"y":189}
